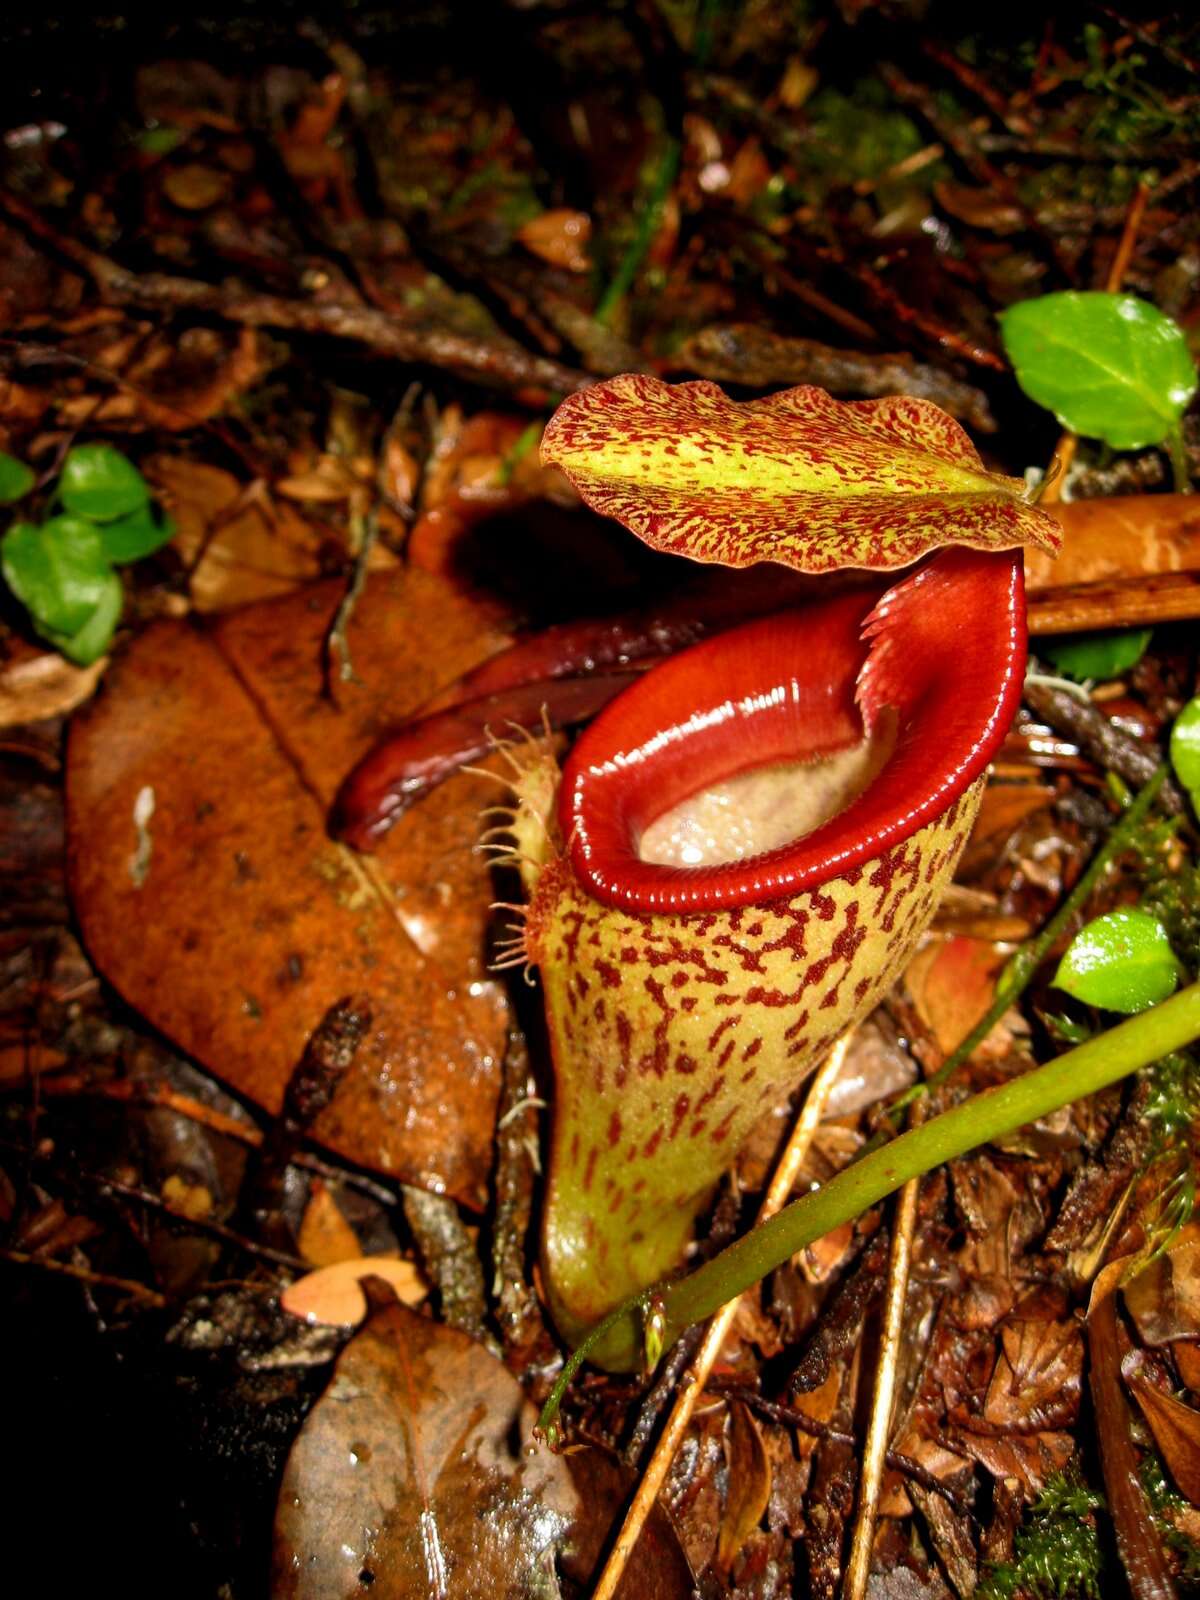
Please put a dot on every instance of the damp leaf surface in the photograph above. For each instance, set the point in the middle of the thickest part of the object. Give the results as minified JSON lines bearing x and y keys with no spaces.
{"x":1109,"y":366}
{"x":1122,"y":961}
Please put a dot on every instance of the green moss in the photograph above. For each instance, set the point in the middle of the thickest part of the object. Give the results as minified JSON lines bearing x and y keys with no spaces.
{"x":1056,"y":1553}
{"x":1166,"y":1504}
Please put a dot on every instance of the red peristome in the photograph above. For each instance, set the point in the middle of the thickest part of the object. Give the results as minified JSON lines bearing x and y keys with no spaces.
{"x":944,"y":650}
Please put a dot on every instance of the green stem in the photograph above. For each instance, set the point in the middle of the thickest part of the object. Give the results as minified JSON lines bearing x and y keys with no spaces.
{"x":1181,"y":464}
{"x":631,"y":262}
{"x":985,"y":1117}
{"x":1029,"y":957}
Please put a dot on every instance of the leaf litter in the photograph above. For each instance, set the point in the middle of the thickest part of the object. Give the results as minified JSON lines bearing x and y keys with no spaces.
{"x":806,"y":221}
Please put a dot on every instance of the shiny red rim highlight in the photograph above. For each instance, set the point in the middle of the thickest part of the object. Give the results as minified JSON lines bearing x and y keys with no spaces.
{"x":944,"y":648}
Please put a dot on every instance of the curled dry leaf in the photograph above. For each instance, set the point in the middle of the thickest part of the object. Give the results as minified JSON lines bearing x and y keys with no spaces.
{"x":560,"y":237}
{"x":333,"y":1295}
{"x":798,"y":478}
{"x":210,"y":894}
{"x":1164,"y":1298}
{"x":749,"y":1485}
{"x":1176,"y":1430}
{"x":36,"y":684}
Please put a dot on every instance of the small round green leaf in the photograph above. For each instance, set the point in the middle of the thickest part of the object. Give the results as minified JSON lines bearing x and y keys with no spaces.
{"x":1122,"y":962}
{"x":91,"y":641}
{"x":59,"y":571}
{"x":1185,"y":749}
{"x":99,"y":482}
{"x":1109,"y":366}
{"x":137,"y":535}
{"x":16,"y":479}
{"x":1097,"y":655}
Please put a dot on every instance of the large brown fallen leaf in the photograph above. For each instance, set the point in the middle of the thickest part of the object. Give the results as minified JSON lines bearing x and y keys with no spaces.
{"x":210,"y":895}
{"x":413,"y":1477}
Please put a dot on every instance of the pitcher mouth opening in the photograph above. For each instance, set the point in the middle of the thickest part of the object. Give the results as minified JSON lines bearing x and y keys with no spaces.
{"x":922,"y":679}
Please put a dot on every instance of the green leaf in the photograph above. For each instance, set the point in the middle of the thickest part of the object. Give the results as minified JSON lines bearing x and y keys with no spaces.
{"x":1100,"y":655}
{"x":137,"y":535}
{"x":99,"y":482}
{"x":91,"y":641}
{"x":1110,"y":366}
{"x":797,"y":477}
{"x":1185,"y":749}
{"x":16,"y":479}
{"x":1122,"y":962}
{"x":59,"y":571}
{"x":160,"y":141}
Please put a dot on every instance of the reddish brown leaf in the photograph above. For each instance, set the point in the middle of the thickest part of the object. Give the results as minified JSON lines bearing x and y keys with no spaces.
{"x":210,"y":894}
{"x":1037,"y":1377}
{"x":1031,"y":1458}
{"x":952,"y":983}
{"x":1176,"y":1430}
{"x":798,"y":478}
{"x":1164,"y":1299}
{"x":749,"y":1485}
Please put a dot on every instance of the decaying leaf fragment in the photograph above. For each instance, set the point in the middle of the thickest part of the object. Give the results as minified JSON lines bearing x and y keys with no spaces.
{"x":798,"y":478}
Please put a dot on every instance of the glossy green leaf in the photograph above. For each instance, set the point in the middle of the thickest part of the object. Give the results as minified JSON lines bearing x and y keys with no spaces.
{"x":137,"y":535}
{"x":59,"y":571}
{"x":99,"y":482}
{"x":1101,"y":655}
{"x":89,"y":643}
{"x":1122,"y":961}
{"x":1109,"y":366}
{"x":16,"y":479}
{"x":1185,"y":749}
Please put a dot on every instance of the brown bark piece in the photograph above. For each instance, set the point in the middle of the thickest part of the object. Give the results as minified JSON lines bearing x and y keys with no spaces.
{"x":230,"y":919}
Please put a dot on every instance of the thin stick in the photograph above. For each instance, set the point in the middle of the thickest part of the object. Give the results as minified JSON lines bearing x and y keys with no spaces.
{"x":692,"y":1385}
{"x":858,"y":1567}
{"x":1064,"y":450}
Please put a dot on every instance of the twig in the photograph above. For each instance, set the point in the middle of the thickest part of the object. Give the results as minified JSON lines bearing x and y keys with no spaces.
{"x":100,"y":1280}
{"x":858,"y":1567}
{"x":1116,"y":603}
{"x":692,"y":1385}
{"x":216,"y":1230}
{"x":327,"y":1055}
{"x":1140,"y":1547}
{"x":1098,"y":736}
{"x":336,"y":645}
{"x":378,"y":331}
{"x":516,"y":1154}
{"x":450,"y":1259}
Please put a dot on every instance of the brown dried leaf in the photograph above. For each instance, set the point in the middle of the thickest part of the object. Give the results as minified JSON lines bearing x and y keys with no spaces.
{"x":1037,"y":1376}
{"x":325,"y":1237}
{"x":239,"y":547}
{"x":952,"y":983}
{"x":333,"y":1294}
{"x":749,"y":1484}
{"x":1176,"y":1430}
{"x":1031,"y":1458}
{"x":560,"y":237}
{"x":231,"y":921}
{"x":1164,"y":1300}
{"x":657,"y":1568}
{"x":409,"y":1478}
{"x":36,"y":684}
